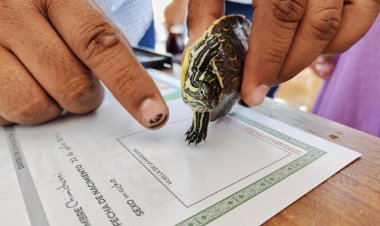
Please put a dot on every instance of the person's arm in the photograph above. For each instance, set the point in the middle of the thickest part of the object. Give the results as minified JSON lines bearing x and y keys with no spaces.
{"x":287,"y":35}
{"x":50,"y":51}
{"x":175,"y":13}
{"x":201,"y":14}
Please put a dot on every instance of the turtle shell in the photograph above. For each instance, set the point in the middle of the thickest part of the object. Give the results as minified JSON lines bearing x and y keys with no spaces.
{"x":213,"y":71}
{"x":230,"y":34}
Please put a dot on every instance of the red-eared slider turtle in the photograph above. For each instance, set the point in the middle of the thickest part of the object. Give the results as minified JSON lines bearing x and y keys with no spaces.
{"x":212,"y":72}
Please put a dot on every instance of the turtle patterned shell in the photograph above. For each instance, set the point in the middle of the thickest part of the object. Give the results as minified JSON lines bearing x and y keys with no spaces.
{"x":216,"y":59}
{"x":233,"y":32}
{"x":212,"y":72}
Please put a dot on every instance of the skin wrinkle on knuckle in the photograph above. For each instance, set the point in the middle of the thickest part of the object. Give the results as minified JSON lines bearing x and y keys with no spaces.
{"x":273,"y":57}
{"x":290,"y":11}
{"x":284,"y":26}
{"x":272,"y":63}
{"x":108,"y":60}
{"x":325,"y":24}
{"x":125,"y":81}
{"x":80,"y":91}
{"x":279,"y":38}
{"x":96,"y":39}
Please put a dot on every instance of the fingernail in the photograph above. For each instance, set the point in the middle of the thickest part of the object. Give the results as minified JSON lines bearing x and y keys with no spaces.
{"x":259,"y":93}
{"x":153,"y":113}
{"x":322,"y":68}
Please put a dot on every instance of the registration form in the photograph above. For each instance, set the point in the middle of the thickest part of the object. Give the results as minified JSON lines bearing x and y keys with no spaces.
{"x":105,"y":169}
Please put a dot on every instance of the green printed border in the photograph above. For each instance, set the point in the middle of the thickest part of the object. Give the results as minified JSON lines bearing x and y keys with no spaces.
{"x":224,"y":206}
{"x":231,"y":202}
{"x":172,"y":96}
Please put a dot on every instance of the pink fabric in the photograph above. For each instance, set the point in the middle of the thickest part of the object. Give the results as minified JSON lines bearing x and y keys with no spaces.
{"x":352,"y":95}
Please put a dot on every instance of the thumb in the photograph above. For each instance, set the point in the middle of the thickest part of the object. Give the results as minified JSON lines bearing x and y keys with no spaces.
{"x":201,"y":15}
{"x":254,"y":87}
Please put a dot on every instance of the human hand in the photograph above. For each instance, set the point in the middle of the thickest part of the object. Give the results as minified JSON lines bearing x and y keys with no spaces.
{"x":175,"y":13}
{"x":324,"y":65}
{"x":287,"y":35}
{"x":53,"y":53}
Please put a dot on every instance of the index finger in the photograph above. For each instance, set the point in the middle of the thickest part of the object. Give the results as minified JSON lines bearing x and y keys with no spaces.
{"x":97,"y":42}
{"x":272,"y":32}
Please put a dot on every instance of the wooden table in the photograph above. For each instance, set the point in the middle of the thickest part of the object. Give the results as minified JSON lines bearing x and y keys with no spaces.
{"x":350,"y":197}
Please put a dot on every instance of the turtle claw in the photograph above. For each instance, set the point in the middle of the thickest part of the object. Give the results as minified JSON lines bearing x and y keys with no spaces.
{"x":195,"y":137}
{"x":198,"y":130}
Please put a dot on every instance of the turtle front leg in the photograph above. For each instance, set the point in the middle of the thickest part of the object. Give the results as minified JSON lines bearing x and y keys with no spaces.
{"x":198,"y":129}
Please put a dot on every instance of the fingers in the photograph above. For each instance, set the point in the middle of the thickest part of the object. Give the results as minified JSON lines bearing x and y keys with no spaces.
{"x":272,"y":33}
{"x":175,"y":13}
{"x":22,"y":99}
{"x":319,"y":25}
{"x":99,"y":45}
{"x":357,"y":18}
{"x":201,"y":15}
{"x":56,"y":68}
{"x":287,"y":35}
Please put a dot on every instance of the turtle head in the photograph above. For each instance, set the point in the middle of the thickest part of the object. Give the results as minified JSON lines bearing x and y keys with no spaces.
{"x":201,"y":96}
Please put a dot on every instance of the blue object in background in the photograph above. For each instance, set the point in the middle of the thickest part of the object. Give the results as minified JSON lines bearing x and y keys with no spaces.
{"x":238,"y":8}
{"x":149,"y":38}
{"x":273,"y":91}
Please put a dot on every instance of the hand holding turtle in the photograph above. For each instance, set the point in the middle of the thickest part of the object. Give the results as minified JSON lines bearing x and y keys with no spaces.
{"x":288,"y":35}
{"x":212,"y":72}
{"x":50,"y":51}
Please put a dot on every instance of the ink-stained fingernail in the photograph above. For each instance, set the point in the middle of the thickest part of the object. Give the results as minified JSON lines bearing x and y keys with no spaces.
{"x":153,"y":113}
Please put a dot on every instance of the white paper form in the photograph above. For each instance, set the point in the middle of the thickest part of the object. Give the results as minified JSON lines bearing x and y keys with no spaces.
{"x":105,"y":169}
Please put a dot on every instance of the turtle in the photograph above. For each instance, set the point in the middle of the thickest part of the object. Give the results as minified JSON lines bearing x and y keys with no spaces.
{"x":212,"y":72}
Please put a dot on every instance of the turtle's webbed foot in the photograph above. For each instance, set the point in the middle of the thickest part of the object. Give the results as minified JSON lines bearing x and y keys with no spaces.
{"x":198,"y":130}
{"x":195,"y":137}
